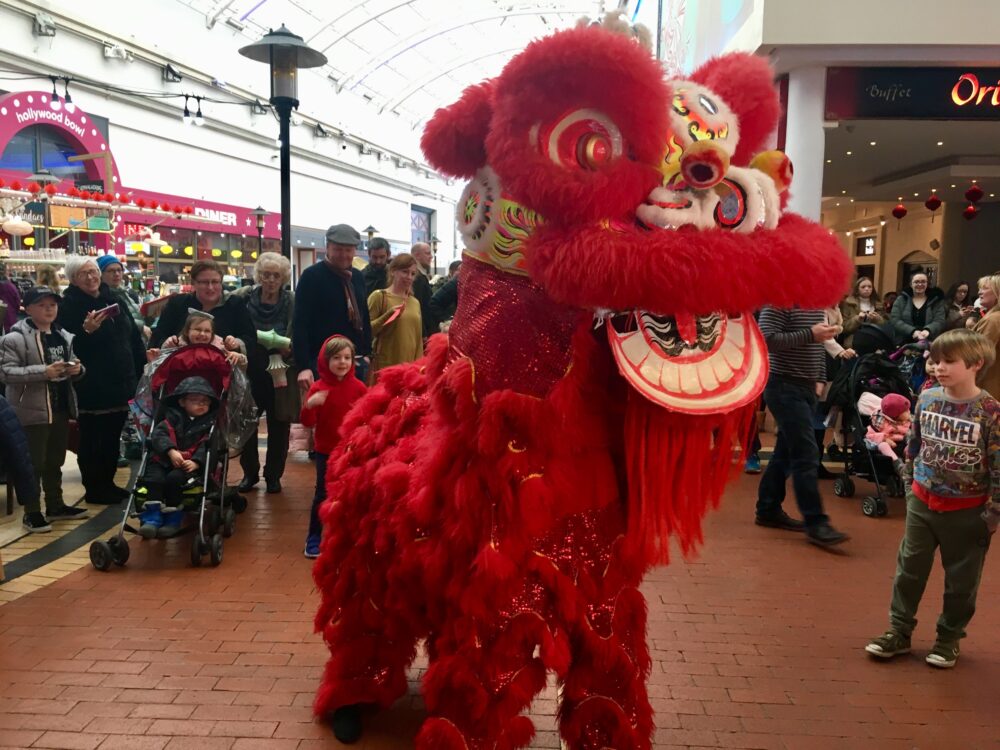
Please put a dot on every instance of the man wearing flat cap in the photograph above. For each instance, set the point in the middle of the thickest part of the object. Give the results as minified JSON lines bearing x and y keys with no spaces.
{"x":330,"y":298}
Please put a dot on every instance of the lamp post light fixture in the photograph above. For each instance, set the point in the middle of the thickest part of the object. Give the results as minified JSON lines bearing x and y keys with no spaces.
{"x":371,"y":232}
{"x":434,"y":251}
{"x":285,"y":53}
{"x":259,"y":214}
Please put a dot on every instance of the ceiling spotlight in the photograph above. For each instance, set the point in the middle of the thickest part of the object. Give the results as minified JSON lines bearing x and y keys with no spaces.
{"x":44,"y":25}
{"x":872,"y":143}
{"x":838,"y":204}
{"x":848,"y":232}
{"x":864,"y":229}
{"x":915,"y":195}
{"x":882,"y":222}
{"x":849,"y":153}
{"x":55,"y":103}
{"x":171,"y":74}
{"x":940,"y":143}
{"x":67,"y":99}
{"x":843,"y":192}
{"x":954,"y":185}
{"x":852,"y":200}
{"x":829,"y":161}
{"x":992,"y":195}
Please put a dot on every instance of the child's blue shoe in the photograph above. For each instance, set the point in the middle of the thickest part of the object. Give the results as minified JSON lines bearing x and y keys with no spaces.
{"x":150,"y":519}
{"x":172,"y":520}
{"x":312,"y":546}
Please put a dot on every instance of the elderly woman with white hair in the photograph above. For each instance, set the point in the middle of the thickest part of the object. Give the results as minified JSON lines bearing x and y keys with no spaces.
{"x":110,"y":347}
{"x":274,"y":378}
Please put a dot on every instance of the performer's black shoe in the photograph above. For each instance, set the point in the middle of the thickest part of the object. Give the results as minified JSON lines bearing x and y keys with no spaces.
{"x":347,"y":724}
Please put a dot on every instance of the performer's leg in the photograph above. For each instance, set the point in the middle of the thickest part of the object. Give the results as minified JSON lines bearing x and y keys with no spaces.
{"x":604,"y":700}
{"x":479,"y":683}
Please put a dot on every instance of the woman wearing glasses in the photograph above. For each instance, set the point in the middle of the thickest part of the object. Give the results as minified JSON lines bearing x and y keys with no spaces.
{"x":274,"y":380}
{"x":232,"y":321}
{"x":110,"y":348}
{"x":920,"y":314}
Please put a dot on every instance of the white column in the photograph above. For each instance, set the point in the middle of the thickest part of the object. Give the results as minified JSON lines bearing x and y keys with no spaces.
{"x":805,"y":140}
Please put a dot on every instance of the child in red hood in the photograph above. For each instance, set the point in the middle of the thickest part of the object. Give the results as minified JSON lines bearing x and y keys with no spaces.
{"x":328,"y":401}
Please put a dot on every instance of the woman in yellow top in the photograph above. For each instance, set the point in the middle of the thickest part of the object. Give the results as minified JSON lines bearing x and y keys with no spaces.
{"x":395,"y":313}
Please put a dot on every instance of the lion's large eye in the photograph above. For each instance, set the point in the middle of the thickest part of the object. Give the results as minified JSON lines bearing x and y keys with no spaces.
{"x":582,"y":139}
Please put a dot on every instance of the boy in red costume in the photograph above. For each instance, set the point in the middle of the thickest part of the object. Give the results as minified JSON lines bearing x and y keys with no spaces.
{"x":327,"y":401}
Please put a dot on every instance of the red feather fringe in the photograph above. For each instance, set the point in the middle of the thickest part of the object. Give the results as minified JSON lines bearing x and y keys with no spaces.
{"x":678,"y":466}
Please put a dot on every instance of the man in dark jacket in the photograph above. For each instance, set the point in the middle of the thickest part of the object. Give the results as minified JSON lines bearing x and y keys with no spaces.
{"x":421,"y":252}
{"x":330,"y":298}
{"x":376,"y":273}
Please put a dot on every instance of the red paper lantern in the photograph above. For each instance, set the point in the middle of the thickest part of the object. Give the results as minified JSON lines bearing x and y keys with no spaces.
{"x":141,"y":203}
{"x":154,"y":205}
{"x":34,"y":187}
{"x":2,"y":182}
{"x":974,"y":194}
{"x":15,"y":185}
{"x":178,"y":209}
{"x":50,"y":190}
{"x":73,"y":192}
{"x":188,"y":209}
{"x":970,"y":212}
{"x":108,"y":197}
{"x":85,"y":194}
{"x":899,"y":211}
{"x":933,"y":203}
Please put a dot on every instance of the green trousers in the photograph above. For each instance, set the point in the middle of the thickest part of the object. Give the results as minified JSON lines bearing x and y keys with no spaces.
{"x":47,"y":446}
{"x":964,"y":539}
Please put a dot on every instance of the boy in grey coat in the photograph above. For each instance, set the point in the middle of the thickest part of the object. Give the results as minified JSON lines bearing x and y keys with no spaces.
{"x":37,"y":364}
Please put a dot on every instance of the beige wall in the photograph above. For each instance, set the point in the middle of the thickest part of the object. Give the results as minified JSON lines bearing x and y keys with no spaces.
{"x":882,"y":22}
{"x":971,"y":248}
{"x":893,"y":241}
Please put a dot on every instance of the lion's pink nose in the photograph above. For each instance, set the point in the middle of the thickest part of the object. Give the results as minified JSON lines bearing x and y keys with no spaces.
{"x":704,"y":164}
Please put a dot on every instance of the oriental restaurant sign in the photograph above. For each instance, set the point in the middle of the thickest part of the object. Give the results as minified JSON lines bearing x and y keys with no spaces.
{"x":913,"y":93}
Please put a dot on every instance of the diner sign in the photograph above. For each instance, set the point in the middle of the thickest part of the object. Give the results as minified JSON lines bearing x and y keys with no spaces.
{"x":966,"y":93}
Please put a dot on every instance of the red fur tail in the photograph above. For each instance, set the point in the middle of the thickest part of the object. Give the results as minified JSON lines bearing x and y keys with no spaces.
{"x":678,"y":466}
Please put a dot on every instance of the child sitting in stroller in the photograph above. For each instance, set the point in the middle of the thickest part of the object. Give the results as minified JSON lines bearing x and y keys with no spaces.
{"x":177,"y":456}
{"x":199,"y":328}
{"x":890,"y":422}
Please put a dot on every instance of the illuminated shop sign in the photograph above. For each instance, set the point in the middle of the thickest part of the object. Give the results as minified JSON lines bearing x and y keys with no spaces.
{"x":913,"y":93}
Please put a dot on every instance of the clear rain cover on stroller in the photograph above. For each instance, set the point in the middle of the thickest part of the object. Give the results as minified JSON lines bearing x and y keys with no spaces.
{"x":240,"y":408}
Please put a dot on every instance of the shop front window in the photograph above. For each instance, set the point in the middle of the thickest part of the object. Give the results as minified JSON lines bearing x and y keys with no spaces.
{"x":41,"y":146}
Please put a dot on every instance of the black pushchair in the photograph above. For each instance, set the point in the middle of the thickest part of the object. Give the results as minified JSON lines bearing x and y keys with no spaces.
{"x":233,"y":421}
{"x":874,"y":373}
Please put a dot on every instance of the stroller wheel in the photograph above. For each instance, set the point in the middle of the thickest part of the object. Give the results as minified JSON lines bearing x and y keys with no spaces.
{"x":100,"y":555}
{"x":119,"y":550}
{"x":215,"y":550}
{"x":238,"y":503}
{"x":196,"y":549}
{"x":881,"y":508}
{"x":229,"y":523}
{"x":869,"y":506}
{"x":843,"y":486}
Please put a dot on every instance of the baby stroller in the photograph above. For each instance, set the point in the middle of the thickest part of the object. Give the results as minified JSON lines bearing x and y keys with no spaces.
{"x":232,"y":424}
{"x":874,"y":373}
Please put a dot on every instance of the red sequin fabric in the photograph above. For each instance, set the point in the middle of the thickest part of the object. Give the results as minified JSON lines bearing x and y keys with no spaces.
{"x":514,"y":334}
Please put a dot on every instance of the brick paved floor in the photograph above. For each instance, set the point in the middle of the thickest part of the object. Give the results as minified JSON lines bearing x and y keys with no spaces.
{"x":757,"y":644}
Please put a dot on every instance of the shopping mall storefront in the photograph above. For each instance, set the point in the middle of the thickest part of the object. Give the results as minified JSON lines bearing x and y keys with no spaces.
{"x":73,"y":147}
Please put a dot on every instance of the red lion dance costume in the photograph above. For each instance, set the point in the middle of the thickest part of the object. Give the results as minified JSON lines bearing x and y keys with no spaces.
{"x":503,"y":497}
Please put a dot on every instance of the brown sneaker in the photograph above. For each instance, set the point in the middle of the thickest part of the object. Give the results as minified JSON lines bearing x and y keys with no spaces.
{"x":891,"y":643}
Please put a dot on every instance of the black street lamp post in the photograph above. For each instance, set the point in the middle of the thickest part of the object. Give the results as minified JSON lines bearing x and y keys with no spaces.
{"x":285,"y":52}
{"x":259,"y":214}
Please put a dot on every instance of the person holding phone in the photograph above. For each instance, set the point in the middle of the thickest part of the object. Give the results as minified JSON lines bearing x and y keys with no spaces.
{"x":38,"y":364}
{"x":397,"y":325}
{"x":110,"y":347}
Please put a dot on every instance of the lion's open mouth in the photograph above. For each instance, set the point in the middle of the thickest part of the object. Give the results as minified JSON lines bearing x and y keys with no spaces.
{"x":709,"y":364}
